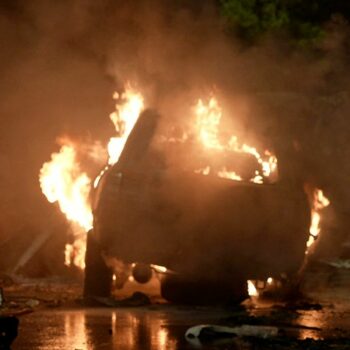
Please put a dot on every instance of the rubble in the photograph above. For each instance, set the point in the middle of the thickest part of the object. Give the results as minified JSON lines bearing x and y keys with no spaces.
{"x":215,"y":331}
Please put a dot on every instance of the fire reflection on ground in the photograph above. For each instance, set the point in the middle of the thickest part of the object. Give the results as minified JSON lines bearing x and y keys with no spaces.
{"x":75,"y":330}
{"x":96,"y":329}
{"x":315,"y":321}
{"x":162,"y":327}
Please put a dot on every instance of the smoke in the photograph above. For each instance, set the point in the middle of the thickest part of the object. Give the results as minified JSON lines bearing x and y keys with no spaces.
{"x":61,"y":61}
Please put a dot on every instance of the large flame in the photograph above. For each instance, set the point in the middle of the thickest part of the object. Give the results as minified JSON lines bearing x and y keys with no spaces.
{"x":128,"y":108}
{"x":63,"y":181}
{"x":318,"y":202}
{"x":208,"y":123}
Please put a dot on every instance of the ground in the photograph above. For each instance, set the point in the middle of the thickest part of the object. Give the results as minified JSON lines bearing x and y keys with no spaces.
{"x":52,"y":316}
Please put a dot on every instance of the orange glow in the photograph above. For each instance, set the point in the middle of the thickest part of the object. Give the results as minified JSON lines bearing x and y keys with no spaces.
{"x":252,"y":291}
{"x":63,"y":181}
{"x":208,"y":124}
{"x":203,"y":171}
{"x":208,"y":121}
{"x":159,"y":268}
{"x":229,"y":175}
{"x":128,"y":108}
{"x":318,"y":202}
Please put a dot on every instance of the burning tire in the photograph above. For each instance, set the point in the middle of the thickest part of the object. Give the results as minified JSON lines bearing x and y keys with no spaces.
{"x":98,"y":277}
{"x":186,"y":290}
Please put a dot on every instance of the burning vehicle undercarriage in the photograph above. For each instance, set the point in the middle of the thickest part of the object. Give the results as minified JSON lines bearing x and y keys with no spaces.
{"x":202,"y":210}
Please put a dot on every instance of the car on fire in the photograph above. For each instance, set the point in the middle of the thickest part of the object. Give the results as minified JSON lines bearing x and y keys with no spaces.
{"x":154,"y":208}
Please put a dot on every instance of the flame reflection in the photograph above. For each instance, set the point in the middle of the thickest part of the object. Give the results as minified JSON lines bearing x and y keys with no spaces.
{"x":75,"y":331}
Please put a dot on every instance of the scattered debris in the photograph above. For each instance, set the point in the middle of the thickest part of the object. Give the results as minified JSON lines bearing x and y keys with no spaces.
{"x":32,"y":303}
{"x":215,"y":331}
{"x":339,"y":264}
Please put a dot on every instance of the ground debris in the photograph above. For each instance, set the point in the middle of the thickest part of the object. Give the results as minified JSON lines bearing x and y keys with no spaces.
{"x":285,"y":343}
{"x":216,"y":331}
{"x":257,"y":337}
{"x":32,"y":303}
{"x":338,"y":263}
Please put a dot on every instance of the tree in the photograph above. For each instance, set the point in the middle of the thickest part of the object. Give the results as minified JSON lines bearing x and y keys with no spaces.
{"x":303,"y":20}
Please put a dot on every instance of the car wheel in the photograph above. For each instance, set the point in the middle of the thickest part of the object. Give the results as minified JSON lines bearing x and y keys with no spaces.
{"x":142,"y":273}
{"x":98,"y":277}
{"x":186,"y":290}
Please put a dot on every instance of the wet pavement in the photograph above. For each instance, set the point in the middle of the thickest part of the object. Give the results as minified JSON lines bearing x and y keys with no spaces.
{"x":158,"y":328}
{"x":52,"y":317}
{"x":162,"y":327}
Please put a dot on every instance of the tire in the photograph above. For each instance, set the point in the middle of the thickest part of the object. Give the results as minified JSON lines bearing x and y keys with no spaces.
{"x":186,"y":290}
{"x":98,"y":277}
{"x":142,"y":273}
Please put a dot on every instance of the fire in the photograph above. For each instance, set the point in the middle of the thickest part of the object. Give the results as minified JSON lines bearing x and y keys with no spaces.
{"x":159,"y":268}
{"x":128,"y":108}
{"x":318,"y":202}
{"x":208,"y":121}
{"x":208,"y":124}
{"x":229,"y":175}
{"x":252,"y":291}
{"x":63,"y":181}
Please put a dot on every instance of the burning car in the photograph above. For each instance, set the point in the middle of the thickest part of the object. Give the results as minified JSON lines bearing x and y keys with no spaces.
{"x":214,"y":216}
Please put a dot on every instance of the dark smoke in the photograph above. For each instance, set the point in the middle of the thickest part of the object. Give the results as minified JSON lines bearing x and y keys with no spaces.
{"x":61,"y":61}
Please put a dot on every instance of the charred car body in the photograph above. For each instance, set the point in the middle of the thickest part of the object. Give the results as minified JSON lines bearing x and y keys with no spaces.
{"x":212,"y":233}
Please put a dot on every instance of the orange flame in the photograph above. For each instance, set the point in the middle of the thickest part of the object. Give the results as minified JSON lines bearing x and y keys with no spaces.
{"x":128,"y":108}
{"x":319,"y":202}
{"x":208,"y":124}
{"x":252,"y":291}
{"x":62,"y":180}
{"x":229,"y":175}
